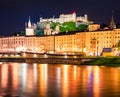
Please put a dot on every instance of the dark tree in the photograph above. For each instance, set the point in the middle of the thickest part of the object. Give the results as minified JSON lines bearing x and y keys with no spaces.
{"x":102,"y":26}
{"x":118,"y":45}
{"x":118,"y":25}
{"x":82,"y":27}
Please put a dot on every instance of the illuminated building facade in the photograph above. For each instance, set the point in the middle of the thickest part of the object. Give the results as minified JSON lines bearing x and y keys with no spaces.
{"x":66,"y":18}
{"x":49,"y":26}
{"x":91,"y":43}
{"x":65,"y":43}
{"x":30,"y":29}
{"x":94,"y":27}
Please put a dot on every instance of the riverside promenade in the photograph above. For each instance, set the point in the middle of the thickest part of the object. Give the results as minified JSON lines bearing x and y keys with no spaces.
{"x":43,"y":58}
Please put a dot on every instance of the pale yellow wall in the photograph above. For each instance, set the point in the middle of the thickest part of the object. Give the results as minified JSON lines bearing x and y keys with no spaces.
{"x":87,"y":43}
{"x":116,"y":36}
{"x":30,"y":31}
{"x":11,"y":43}
{"x":93,"y":27}
{"x":4,"y":43}
{"x":31,"y":43}
{"x":46,"y":43}
{"x":103,"y":40}
{"x":65,"y":43}
{"x":79,"y":42}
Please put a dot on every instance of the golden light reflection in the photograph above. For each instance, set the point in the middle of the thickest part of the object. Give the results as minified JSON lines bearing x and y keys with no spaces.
{"x":45,"y":72}
{"x":58,"y":76}
{"x":73,"y":80}
{"x":65,"y":80}
{"x":84,"y":76}
{"x":23,"y":77}
{"x":35,"y":73}
{"x":4,"y":75}
{"x":96,"y":83}
{"x":30,"y":76}
{"x":42,"y":78}
{"x":89,"y":71}
{"x":75,"y":72}
{"x":15,"y":75}
{"x":65,"y":73}
{"x":115,"y":77}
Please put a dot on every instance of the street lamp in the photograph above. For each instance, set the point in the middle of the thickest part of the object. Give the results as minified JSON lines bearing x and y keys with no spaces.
{"x":45,"y":55}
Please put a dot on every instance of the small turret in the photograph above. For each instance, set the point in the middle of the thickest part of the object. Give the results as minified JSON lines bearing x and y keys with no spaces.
{"x":86,"y":17}
{"x":29,"y":22}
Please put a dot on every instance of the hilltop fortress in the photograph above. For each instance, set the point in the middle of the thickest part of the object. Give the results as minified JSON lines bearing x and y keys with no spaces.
{"x":67,"y":18}
{"x":51,"y":26}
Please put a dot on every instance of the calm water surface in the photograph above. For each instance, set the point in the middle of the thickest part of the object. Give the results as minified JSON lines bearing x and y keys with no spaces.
{"x":48,"y":80}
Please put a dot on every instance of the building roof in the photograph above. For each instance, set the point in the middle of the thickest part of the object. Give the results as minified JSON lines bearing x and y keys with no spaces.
{"x":107,"y":50}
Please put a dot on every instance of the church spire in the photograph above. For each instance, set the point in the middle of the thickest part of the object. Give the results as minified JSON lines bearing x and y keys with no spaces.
{"x":29,"y":22}
{"x":112,"y":23}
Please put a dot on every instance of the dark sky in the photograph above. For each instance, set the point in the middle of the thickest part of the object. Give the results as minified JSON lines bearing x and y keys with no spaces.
{"x":14,"y":13}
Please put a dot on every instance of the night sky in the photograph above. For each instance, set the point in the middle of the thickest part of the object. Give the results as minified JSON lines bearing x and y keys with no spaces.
{"x":14,"y":13}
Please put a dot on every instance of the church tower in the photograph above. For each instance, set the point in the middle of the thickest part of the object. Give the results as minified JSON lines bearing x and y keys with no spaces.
{"x":30,"y":31}
{"x":112,"y":23}
{"x":29,"y":22}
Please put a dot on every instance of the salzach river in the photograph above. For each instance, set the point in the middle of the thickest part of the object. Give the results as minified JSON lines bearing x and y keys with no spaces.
{"x":58,"y":80}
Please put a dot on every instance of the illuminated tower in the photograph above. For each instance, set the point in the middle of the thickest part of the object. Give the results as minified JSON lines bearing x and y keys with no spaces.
{"x":86,"y":18}
{"x":112,"y":23}
{"x":30,"y":29}
{"x":29,"y":22}
{"x":74,"y":16}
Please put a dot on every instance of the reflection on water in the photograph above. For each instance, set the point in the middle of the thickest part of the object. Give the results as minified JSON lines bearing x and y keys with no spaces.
{"x":43,"y":80}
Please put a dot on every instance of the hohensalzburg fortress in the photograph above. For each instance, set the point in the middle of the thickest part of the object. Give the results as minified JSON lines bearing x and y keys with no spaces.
{"x":66,"y":18}
{"x":92,"y":41}
{"x":46,"y":25}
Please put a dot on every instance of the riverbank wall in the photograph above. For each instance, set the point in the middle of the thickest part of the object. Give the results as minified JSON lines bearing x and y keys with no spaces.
{"x":49,"y":60}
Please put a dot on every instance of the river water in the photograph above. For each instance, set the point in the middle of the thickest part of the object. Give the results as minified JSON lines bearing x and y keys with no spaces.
{"x":58,"y":80}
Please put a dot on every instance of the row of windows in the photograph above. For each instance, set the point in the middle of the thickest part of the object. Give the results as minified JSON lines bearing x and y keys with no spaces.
{"x":117,"y":36}
{"x":104,"y":33}
{"x":101,"y":33}
{"x":117,"y":33}
{"x":19,"y":38}
{"x":102,"y":37}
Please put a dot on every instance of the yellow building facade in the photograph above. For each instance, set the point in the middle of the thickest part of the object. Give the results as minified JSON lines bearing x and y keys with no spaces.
{"x":65,"y":43}
{"x":96,"y":41}
{"x":91,"y":43}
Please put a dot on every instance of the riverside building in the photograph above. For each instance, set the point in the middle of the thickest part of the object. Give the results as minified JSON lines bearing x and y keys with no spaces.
{"x":91,"y":42}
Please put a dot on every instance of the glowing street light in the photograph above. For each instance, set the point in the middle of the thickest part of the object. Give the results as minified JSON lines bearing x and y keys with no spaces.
{"x":66,"y":55}
{"x":24,"y":54}
{"x":35,"y":55}
{"x":45,"y":55}
{"x":75,"y":56}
